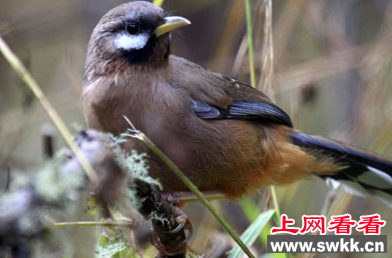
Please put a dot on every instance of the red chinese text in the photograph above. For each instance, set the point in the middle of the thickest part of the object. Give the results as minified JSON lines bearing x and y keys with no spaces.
{"x":284,"y":229}
{"x":370,"y":224}
{"x":313,"y":223}
{"x":341,"y":224}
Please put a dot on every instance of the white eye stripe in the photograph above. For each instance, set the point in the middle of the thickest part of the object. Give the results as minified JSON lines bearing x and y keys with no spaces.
{"x":129,"y":42}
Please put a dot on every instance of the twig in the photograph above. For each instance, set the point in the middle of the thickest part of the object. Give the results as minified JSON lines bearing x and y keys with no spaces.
{"x":92,"y":224}
{"x":8,"y":182}
{"x":47,"y":142}
{"x":193,"y":198}
{"x":266,"y":80}
{"x":266,"y":83}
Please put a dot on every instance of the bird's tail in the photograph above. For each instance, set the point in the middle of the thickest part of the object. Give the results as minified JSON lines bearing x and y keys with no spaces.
{"x":360,"y":171}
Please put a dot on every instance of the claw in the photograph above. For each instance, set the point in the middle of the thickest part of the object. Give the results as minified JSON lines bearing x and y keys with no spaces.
{"x":173,"y":242}
{"x":174,"y":249}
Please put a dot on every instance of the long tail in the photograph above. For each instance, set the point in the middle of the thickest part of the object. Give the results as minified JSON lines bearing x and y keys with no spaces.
{"x":361,"y":171}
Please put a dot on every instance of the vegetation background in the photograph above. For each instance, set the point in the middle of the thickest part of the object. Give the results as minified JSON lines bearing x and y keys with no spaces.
{"x":331,"y":71}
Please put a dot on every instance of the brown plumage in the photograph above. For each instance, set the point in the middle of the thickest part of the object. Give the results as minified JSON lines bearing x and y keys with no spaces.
{"x":223,"y":134}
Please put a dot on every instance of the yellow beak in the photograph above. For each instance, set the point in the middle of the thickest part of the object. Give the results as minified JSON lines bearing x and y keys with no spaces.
{"x":171,"y":23}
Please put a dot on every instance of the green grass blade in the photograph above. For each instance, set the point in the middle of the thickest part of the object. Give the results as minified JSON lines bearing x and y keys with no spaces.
{"x":275,"y":201}
{"x":158,"y":2}
{"x":251,"y":211}
{"x":250,"y":43}
{"x":252,"y":232}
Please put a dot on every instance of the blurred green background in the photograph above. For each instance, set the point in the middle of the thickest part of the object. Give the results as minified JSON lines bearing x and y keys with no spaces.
{"x":332,"y":74}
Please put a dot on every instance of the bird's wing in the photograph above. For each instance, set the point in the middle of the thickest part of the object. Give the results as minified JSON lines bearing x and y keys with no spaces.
{"x":215,"y":96}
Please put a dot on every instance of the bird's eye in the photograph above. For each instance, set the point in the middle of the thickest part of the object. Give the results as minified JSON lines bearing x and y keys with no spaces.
{"x":133,"y":28}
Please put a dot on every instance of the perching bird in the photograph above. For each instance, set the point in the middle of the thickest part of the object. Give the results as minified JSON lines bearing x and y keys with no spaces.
{"x":223,"y":134}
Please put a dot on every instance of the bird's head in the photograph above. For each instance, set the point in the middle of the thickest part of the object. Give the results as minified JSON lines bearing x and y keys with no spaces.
{"x":132,"y":34}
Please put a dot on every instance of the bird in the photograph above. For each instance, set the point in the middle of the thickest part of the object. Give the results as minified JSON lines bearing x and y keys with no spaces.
{"x":224,"y":135}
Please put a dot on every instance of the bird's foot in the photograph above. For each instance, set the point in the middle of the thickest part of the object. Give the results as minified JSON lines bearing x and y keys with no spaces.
{"x":173,"y":242}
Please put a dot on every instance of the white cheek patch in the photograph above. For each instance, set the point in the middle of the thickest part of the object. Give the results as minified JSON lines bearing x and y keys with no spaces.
{"x":129,"y":42}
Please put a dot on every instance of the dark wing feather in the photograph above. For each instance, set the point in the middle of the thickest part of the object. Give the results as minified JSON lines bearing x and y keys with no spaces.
{"x":250,"y":109}
{"x":215,"y":96}
{"x":240,"y":109}
{"x":205,"y":111}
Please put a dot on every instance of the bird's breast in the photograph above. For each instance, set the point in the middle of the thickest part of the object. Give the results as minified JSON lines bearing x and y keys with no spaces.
{"x":153,"y":106}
